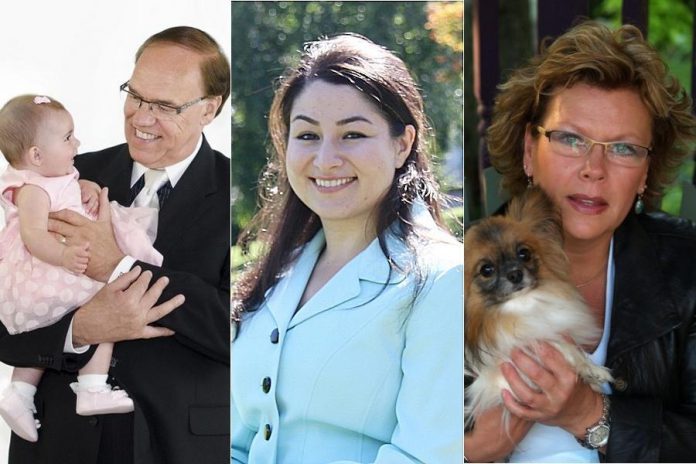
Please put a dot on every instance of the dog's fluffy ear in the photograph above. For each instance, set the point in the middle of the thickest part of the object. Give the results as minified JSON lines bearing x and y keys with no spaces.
{"x":536,"y":210}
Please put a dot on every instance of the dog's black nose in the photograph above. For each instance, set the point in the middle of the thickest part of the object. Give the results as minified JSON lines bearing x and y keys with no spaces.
{"x":515,"y":276}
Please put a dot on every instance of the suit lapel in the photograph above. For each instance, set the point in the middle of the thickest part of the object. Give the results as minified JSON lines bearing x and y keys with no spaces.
{"x":187,"y":200}
{"x":116,"y":176}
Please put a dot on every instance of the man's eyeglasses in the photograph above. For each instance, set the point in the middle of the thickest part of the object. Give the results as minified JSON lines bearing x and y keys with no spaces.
{"x":576,"y":146}
{"x":160,"y":110}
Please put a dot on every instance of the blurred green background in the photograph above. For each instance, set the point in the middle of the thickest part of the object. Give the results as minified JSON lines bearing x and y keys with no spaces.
{"x":268,"y":37}
{"x":669,"y":30}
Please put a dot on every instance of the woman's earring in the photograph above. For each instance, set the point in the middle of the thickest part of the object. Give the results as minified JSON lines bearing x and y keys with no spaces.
{"x":640,"y":206}
{"x":530,"y":179}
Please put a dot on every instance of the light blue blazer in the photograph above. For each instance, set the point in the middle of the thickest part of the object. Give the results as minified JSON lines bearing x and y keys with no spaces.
{"x":357,"y":375}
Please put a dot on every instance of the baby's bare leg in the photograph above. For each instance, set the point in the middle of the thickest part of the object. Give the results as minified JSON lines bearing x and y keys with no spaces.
{"x":100,"y":362}
{"x":30,"y":375}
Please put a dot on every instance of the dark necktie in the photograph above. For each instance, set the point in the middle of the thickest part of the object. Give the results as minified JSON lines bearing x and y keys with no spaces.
{"x":162,"y":193}
{"x":136,"y":188}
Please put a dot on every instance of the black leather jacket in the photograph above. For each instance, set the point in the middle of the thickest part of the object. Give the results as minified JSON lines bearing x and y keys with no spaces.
{"x":652,"y":348}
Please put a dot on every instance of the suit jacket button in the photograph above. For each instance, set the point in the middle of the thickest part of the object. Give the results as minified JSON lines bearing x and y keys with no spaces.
{"x":274,"y":336}
{"x":266,"y":384}
{"x":267,"y":432}
{"x":620,"y":384}
{"x":93,"y":421}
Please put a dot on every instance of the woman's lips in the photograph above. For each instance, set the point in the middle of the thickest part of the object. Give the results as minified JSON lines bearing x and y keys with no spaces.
{"x":586,"y":204}
{"x":334,"y":184}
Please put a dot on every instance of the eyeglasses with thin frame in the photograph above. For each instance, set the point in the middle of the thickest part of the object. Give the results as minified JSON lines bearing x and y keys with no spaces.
{"x":574,"y":145}
{"x":158,"y":109}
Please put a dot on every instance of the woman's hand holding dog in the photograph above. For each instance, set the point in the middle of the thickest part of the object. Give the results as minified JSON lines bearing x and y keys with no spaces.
{"x":488,"y":441}
{"x":562,"y":398}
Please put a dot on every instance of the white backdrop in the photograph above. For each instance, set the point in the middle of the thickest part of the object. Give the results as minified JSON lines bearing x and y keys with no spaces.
{"x":80,"y":51}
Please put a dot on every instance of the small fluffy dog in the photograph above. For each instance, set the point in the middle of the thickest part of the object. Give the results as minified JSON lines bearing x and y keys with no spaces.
{"x":518,"y":292}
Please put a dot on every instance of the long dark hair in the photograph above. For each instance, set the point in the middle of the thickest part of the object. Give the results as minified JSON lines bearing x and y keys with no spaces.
{"x":284,"y":223}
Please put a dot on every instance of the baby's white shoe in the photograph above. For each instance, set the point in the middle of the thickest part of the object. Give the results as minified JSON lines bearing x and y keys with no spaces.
{"x":101,"y":399}
{"x":18,"y":411}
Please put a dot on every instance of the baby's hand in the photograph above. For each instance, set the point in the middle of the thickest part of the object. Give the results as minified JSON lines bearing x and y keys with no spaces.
{"x":76,"y":258}
{"x":90,"y":196}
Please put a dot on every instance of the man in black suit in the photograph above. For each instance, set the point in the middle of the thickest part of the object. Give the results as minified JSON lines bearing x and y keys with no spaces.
{"x":177,"y":370}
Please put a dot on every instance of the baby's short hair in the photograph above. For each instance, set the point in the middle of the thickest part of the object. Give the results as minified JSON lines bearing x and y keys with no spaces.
{"x":19,"y":121}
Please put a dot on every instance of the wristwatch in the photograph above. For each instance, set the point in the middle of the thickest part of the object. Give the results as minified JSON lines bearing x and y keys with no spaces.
{"x":597,"y":435}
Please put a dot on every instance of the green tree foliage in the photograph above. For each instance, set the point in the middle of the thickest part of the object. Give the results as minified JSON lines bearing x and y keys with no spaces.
{"x":268,"y":36}
{"x":670,"y":32}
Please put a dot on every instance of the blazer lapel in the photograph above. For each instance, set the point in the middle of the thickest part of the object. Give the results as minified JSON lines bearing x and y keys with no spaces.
{"x":348,"y":288}
{"x":342,"y":287}
{"x":187,"y":199}
{"x":635,"y":253}
{"x":283,"y":299}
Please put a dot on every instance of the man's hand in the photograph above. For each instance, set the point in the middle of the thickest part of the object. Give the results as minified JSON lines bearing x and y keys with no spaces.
{"x":89,"y":192}
{"x":124,"y":310}
{"x":77,"y":229}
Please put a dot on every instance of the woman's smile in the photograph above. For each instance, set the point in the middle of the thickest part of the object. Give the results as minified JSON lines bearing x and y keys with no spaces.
{"x":333,"y":184}
{"x":341,"y":158}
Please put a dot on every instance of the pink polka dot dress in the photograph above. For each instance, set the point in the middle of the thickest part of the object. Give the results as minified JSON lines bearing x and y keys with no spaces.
{"x":36,"y":294}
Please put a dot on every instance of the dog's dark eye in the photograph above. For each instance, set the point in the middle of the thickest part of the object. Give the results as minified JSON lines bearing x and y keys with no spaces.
{"x":487,"y":270}
{"x":524,"y":254}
